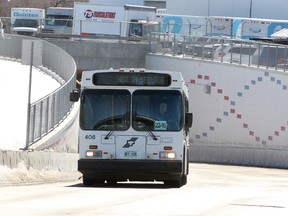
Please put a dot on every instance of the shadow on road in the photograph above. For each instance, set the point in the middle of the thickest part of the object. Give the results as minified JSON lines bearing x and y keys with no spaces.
{"x":132,"y":185}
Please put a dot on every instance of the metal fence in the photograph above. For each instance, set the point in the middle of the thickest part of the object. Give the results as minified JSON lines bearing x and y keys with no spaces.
{"x":221,"y":49}
{"x":48,"y":112}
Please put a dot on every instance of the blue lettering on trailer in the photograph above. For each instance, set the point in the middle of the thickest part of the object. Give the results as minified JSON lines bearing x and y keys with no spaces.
{"x":17,"y":14}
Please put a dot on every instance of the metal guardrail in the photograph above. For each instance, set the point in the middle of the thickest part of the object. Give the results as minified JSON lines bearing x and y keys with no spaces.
{"x":48,"y":112}
{"x":221,"y":49}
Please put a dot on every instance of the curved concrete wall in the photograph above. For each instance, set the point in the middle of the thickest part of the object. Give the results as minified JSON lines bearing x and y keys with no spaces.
{"x":104,"y":54}
{"x":240,"y":113}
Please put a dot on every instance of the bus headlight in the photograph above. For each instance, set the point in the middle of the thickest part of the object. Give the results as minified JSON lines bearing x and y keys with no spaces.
{"x":167,"y":155}
{"x":94,"y":154}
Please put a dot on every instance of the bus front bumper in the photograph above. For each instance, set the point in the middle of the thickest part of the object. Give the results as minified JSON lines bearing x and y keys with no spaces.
{"x":141,"y":170}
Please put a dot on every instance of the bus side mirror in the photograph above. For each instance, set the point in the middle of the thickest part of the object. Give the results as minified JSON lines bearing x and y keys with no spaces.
{"x":74,"y":95}
{"x":188,"y":120}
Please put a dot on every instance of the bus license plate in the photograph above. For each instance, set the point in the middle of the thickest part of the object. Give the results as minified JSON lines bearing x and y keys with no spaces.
{"x":130,"y":154}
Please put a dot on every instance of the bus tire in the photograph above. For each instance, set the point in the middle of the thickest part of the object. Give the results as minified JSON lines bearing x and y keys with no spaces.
{"x":184,"y":179}
{"x":174,"y":183}
{"x":88,"y":181}
{"x":111,"y":181}
{"x":99,"y":181}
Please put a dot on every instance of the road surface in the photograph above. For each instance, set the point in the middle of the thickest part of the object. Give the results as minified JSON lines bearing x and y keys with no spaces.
{"x":211,"y":190}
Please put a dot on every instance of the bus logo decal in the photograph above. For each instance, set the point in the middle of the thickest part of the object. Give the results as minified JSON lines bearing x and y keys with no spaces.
{"x":130,"y":143}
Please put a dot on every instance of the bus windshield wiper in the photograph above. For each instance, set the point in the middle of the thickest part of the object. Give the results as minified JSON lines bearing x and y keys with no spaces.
{"x":118,"y":121}
{"x":112,"y":130}
{"x":142,"y":120}
{"x":150,"y":132}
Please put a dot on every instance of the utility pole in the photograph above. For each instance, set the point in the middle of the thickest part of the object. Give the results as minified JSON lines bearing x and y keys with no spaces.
{"x":250,"y":9}
{"x":29,"y":98}
{"x":32,"y":51}
{"x":208,"y":7}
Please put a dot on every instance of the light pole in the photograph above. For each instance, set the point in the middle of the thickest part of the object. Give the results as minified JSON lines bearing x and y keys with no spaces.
{"x":208,"y":7}
{"x":29,"y":99}
{"x":250,"y":9}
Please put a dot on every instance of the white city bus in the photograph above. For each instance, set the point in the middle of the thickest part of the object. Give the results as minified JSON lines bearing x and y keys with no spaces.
{"x":134,"y":125}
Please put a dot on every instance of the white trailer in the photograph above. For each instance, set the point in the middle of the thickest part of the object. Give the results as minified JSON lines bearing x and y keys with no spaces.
{"x":184,"y":25}
{"x":116,"y":20}
{"x":58,"y":20}
{"x":26,"y":21}
{"x":249,"y":28}
{"x":196,"y":25}
{"x":219,"y":26}
{"x":118,"y":2}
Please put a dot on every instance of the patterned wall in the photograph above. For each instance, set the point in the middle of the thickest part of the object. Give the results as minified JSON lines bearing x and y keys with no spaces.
{"x":234,"y":107}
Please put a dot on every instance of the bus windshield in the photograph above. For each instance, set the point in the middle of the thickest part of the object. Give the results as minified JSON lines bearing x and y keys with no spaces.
{"x":156,"y":110}
{"x":152,"y":110}
{"x":105,"y":110}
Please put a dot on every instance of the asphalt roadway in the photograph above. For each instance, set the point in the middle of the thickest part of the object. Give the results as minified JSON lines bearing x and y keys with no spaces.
{"x":211,"y":190}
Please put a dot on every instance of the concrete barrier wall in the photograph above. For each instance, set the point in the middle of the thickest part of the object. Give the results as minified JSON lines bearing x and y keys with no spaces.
{"x":52,"y":158}
{"x":240,"y":113}
{"x":64,"y":162}
{"x":104,"y":54}
{"x":237,"y":155}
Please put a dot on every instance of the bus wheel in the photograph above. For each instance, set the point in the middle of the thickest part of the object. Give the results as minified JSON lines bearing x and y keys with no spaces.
{"x":174,"y":183}
{"x":111,"y":181}
{"x":99,"y":181}
{"x":184,"y":179}
{"x":88,"y":181}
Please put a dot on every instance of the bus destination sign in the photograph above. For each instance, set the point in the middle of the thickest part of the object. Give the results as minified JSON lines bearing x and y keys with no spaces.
{"x":131,"y":79}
